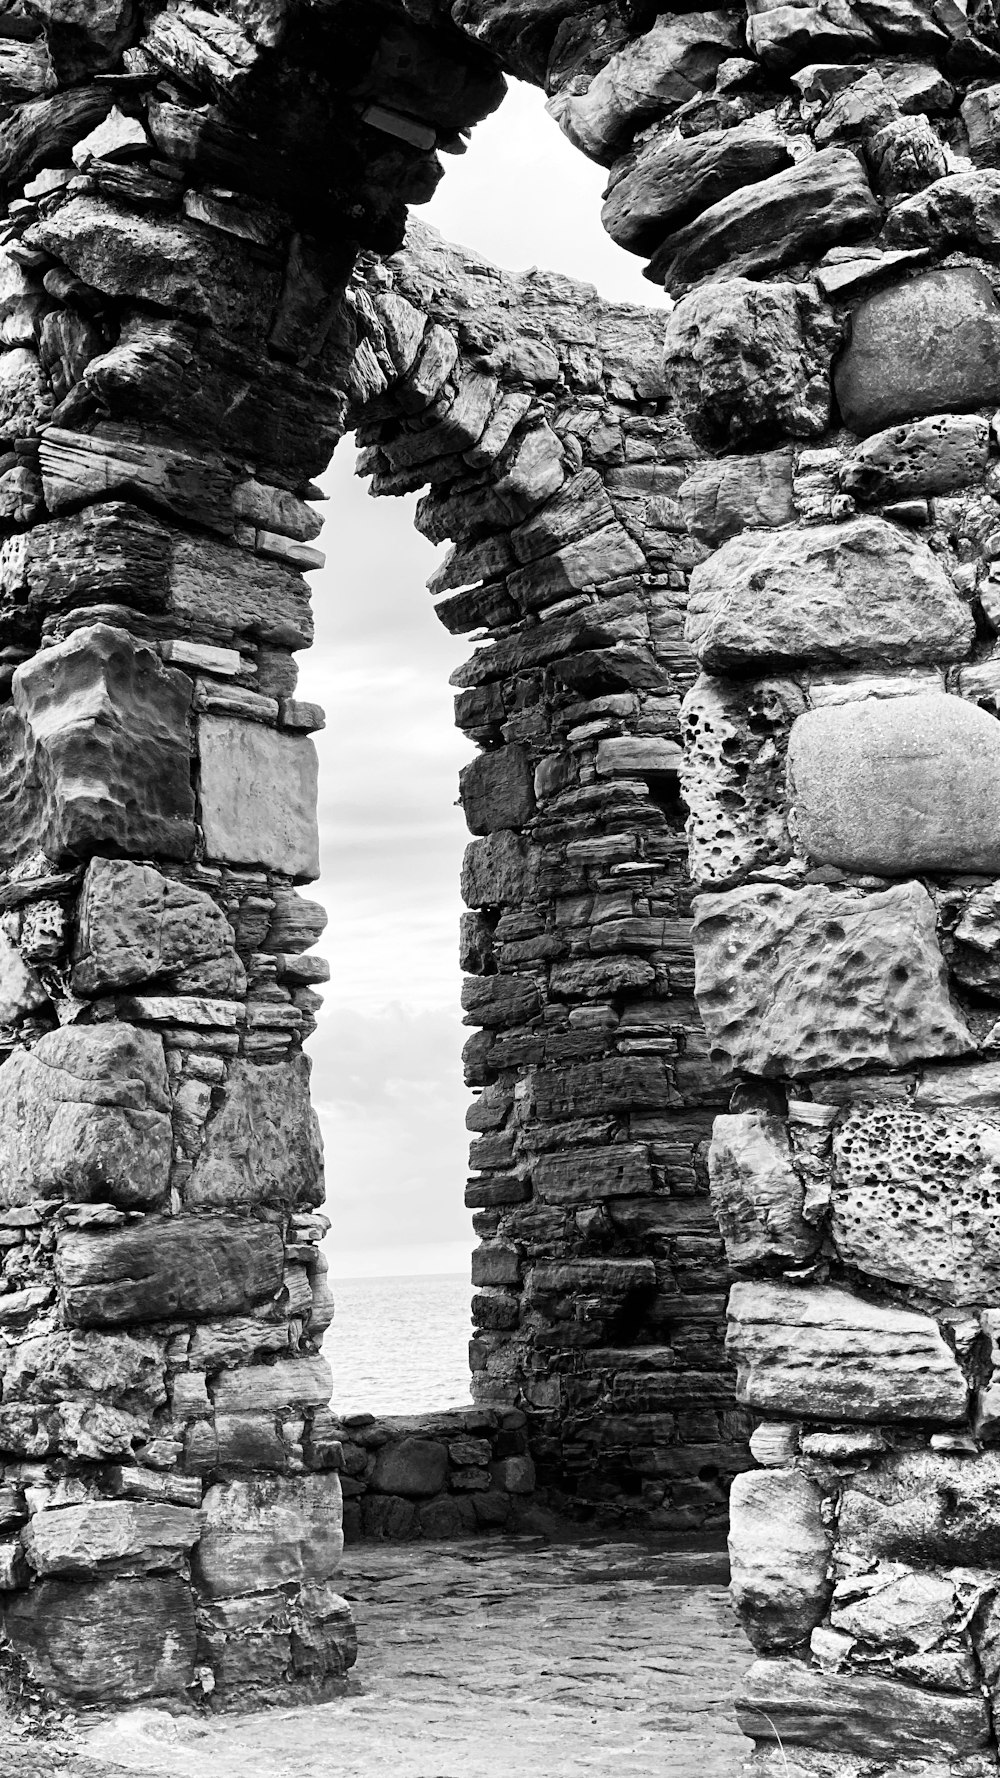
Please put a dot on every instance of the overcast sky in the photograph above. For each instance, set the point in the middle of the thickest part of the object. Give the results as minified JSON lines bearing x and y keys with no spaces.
{"x":387,"y":1077}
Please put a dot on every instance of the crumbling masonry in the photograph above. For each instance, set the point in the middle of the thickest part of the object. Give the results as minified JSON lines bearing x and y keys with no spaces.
{"x":731,"y":568}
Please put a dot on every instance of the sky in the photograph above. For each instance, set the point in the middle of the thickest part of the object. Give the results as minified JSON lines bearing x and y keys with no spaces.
{"x":387,"y":1078}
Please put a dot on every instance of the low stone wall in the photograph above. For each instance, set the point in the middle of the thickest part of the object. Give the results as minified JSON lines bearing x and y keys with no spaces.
{"x":435,"y":1475}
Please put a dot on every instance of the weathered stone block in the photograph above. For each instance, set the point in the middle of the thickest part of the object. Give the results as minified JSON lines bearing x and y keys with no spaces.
{"x":916,"y":1199}
{"x":785,"y":32}
{"x":744,"y":358}
{"x":125,"y":1536}
{"x":826,"y":1354}
{"x":95,"y":752}
{"x":189,"y":1267}
{"x":585,"y":1175}
{"x":897,"y":786}
{"x":270,"y":1531}
{"x":860,"y":591}
{"x":498,"y":870}
{"x":757,"y":1195}
{"x":820,"y":201}
{"x":937,"y":455}
{"x":675,"y":178}
{"x":924,"y":1507}
{"x":257,"y":797}
{"x":925,"y":347}
{"x":497,"y":789}
{"x":415,"y":1467}
{"x":779,"y":1551}
{"x":850,"y":1713}
{"x":125,"y":1370}
{"x":798,"y":981}
{"x":135,"y":925}
{"x":732,"y":776}
{"x":262,"y":1388}
{"x":724,"y":495}
{"x":263,"y":1144}
{"x":110,"y":1642}
{"x":85,"y":1115}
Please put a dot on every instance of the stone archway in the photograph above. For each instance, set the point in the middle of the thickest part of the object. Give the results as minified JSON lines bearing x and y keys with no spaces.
{"x":190,"y":190}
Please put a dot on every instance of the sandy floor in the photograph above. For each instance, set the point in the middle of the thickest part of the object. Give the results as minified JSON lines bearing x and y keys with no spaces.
{"x":477,"y":1660}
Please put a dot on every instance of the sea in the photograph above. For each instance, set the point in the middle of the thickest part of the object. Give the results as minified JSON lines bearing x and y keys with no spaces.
{"x":400,"y":1345}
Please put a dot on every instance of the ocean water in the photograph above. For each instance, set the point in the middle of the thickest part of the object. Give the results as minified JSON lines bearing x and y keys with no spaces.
{"x":400,"y":1345}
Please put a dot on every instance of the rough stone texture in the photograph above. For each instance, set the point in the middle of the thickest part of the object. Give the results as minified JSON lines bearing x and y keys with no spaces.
{"x":268,"y":1532}
{"x":897,"y":786}
{"x":675,"y":179}
{"x":863,"y":591}
{"x":928,"y":346}
{"x":184,"y":1267}
{"x":95,"y":753}
{"x":779,"y":1549}
{"x":924,"y":1507}
{"x":85,"y":1116}
{"x":262,"y":1147}
{"x":830,"y":1355}
{"x":850,"y":1713}
{"x":800,"y":981}
{"x":757,"y":1195}
{"x":83,"y":1542}
{"x":106,"y":1642}
{"x":136,"y":925}
{"x":746,"y":358}
{"x":937,"y":455}
{"x":257,"y":797}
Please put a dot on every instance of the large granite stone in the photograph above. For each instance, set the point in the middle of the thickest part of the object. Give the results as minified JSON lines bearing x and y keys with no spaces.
{"x":650,"y":77}
{"x":416,"y":1467}
{"x":924,"y":1507}
{"x":925,"y":347}
{"x":110,"y":1642}
{"x":824,"y":1354}
{"x":270,"y":1531}
{"x":85,"y":1115}
{"x":822,"y":200}
{"x":916,"y":1199}
{"x":897,"y":786}
{"x":779,"y":1552}
{"x":124,"y":1536}
{"x":257,"y":797}
{"x":674,"y":178}
{"x":851,"y":1713}
{"x":136,"y":925}
{"x":745,"y":359}
{"x":95,"y":753}
{"x":827,"y":594}
{"x":497,"y":789}
{"x":798,"y":981}
{"x":757,"y":1195}
{"x":182,"y":1267}
{"x":262,"y":1147}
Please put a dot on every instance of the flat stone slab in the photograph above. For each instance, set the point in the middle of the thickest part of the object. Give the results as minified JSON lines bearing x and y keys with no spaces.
{"x":509,"y":1655}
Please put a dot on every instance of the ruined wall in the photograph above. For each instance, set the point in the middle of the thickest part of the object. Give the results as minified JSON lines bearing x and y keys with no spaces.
{"x":187,"y":189}
{"x":538,"y":418}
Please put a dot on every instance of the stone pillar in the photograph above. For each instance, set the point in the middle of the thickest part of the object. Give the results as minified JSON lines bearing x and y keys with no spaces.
{"x":817,"y":187}
{"x":183,"y":208}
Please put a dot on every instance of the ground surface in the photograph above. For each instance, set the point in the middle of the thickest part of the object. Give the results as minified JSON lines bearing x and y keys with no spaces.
{"x":505,"y":1656}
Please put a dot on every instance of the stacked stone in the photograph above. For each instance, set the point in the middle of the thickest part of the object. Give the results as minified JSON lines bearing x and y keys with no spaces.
{"x":818,"y":185}
{"x":538,"y":416}
{"x":186,"y":190}
{"x":436,"y":1475}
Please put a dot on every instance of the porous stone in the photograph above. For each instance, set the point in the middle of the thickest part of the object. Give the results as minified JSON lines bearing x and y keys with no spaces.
{"x":257,"y":797}
{"x":828,"y":1355}
{"x":745,"y":359}
{"x":897,"y":786}
{"x":936,"y":455}
{"x":269,"y":1531}
{"x":95,"y":752}
{"x":757,"y":1195}
{"x":136,"y":925}
{"x":915,"y":1199}
{"x":779,"y":1552}
{"x":732,"y":775}
{"x":928,"y":346}
{"x":262,"y":1146}
{"x":794,"y":982}
{"x":862,"y":591}
{"x":85,"y":1116}
{"x":106,"y":1642}
{"x":182,"y":1267}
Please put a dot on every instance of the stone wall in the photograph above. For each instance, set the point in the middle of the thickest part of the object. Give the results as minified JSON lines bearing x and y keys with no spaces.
{"x":450,"y":1474}
{"x":187,"y":188}
{"x":538,"y":420}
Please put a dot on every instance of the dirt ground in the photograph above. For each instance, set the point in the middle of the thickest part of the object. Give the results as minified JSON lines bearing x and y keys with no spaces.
{"x":479,"y":1659}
